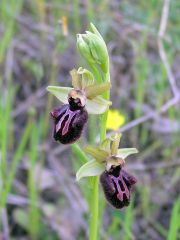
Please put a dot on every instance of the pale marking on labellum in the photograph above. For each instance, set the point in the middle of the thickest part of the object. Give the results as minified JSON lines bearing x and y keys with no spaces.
{"x":67,"y":123}
{"x":58,"y":126}
{"x":120,"y":191}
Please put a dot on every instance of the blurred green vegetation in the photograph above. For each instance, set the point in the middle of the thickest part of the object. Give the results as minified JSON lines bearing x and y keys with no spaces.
{"x":36,"y":51}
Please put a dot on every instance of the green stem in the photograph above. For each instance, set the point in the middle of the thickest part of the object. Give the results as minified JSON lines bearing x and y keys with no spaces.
{"x":94,"y":206}
{"x":103,"y":119}
{"x":94,"y":201}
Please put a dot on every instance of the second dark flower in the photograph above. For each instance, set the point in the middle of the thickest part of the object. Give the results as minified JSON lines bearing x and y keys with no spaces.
{"x":116,"y":184}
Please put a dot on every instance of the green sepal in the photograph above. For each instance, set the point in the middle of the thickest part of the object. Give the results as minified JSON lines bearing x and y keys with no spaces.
{"x":97,"y":89}
{"x":106,"y":145}
{"x":115,"y":144}
{"x":125,"y":152}
{"x":99,"y":154}
{"x":89,"y":169}
{"x":87,"y":77}
{"x":60,"y":92}
{"x":76,"y":81}
{"x":97,"y":105}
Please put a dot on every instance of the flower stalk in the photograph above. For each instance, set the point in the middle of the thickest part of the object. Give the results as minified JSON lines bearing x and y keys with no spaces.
{"x":94,"y":208}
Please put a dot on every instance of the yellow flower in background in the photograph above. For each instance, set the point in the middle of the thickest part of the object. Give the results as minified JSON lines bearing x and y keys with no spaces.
{"x":115,"y":119}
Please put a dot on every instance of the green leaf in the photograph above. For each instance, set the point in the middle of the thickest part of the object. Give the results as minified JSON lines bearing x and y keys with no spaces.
{"x":60,"y":92}
{"x":97,"y":105}
{"x":125,"y":152}
{"x":174,"y":226}
{"x":89,"y":169}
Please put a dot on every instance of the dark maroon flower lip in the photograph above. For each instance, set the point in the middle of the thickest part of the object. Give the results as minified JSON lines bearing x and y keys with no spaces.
{"x":117,"y":184}
{"x":66,"y":118}
{"x":68,"y":123}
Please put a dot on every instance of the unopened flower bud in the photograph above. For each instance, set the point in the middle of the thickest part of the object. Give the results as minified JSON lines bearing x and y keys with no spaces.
{"x":93,"y":48}
{"x":84,"y":49}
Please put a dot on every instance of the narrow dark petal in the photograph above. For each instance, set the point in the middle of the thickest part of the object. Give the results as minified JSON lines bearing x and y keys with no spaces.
{"x":68,"y":124}
{"x":116,"y":185}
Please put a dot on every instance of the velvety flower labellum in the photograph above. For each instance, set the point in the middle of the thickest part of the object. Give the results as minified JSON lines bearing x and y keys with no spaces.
{"x":69,"y":121}
{"x":116,"y":184}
